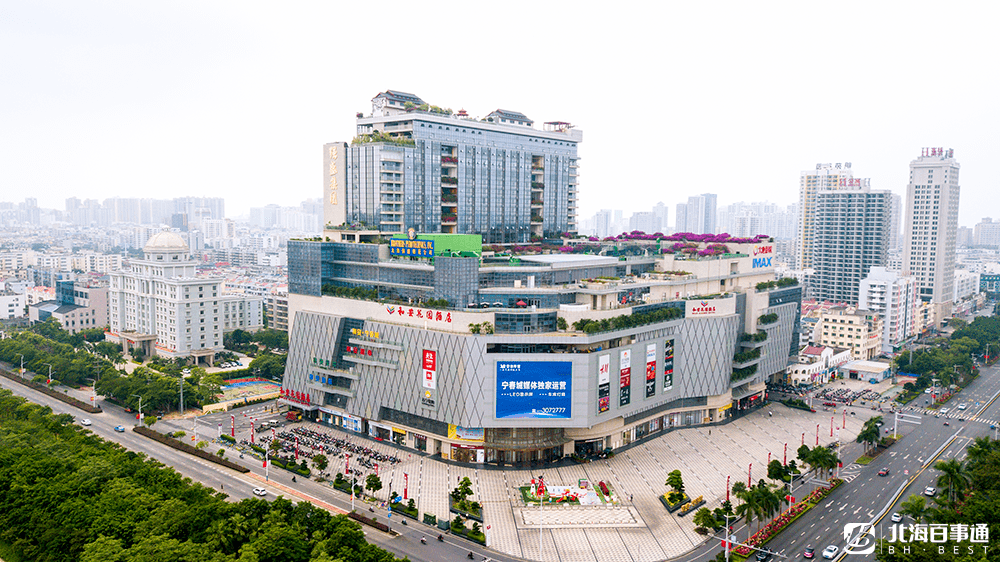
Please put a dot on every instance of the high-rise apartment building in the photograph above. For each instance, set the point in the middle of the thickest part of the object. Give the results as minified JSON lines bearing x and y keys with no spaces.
{"x":930,"y":227}
{"x":414,"y":166}
{"x":850,"y":236}
{"x":698,"y":215}
{"x":825,"y":176}
{"x":895,"y":222}
{"x":894,"y":298}
{"x":986,"y":233}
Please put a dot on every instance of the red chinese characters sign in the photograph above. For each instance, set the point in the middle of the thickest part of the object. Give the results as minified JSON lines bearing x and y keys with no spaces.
{"x":432,"y":315}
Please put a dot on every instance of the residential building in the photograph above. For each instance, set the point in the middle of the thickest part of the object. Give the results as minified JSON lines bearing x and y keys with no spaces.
{"x":816,"y":365}
{"x":930,"y":227}
{"x":77,"y":306}
{"x":698,"y":214}
{"x":11,"y":304}
{"x":419,"y":167}
{"x":850,"y":236}
{"x":242,"y":312}
{"x":277,"y":310}
{"x":986,"y":233}
{"x":894,"y":224}
{"x":894,"y":298}
{"x":824,"y":177}
{"x":966,"y":285}
{"x":849,"y":328}
{"x":464,"y":356}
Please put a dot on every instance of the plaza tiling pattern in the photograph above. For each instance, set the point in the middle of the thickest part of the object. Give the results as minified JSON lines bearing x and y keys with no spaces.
{"x":637,"y":477}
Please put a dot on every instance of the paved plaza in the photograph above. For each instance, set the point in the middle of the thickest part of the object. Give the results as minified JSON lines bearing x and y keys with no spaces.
{"x":636,"y":527}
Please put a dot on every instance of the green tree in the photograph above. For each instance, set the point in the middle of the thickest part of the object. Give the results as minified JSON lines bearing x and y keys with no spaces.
{"x":704,"y":518}
{"x":777,"y":471}
{"x":373,"y":484}
{"x":954,"y":479}
{"x":914,"y":507}
{"x":868,"y":435}
{"x":321,"y":462}
{"x":148,"y":421}
{"x":748,"y":508}
{"x":269,"y":365}
{"x":675,"y":482}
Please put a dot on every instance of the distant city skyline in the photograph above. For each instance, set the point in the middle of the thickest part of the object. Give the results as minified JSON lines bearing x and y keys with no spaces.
{"x":155,"y":101}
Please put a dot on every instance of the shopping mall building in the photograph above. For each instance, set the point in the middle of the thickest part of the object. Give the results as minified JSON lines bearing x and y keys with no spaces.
{"x":437,"y":343}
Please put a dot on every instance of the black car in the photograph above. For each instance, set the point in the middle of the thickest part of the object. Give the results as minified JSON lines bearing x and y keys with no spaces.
{"x":762,"y":556}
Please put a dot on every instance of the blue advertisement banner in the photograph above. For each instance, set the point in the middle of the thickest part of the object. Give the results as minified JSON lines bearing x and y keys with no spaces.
{"x":417,"y":248}
{"x":534,"y":389}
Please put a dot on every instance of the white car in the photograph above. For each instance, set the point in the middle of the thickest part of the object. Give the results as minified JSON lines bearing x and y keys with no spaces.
{"x":945,"y":410}
{"x":259,"y":492}
{"x":896,"y":517}
{"x":929,"y":491}
{"x":961,"y":406}
{"x":830,"y":552}
{"x":85,"y":421}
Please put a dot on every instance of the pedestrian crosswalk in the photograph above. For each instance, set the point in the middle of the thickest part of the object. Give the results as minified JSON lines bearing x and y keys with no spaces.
{"x":956,"y":414}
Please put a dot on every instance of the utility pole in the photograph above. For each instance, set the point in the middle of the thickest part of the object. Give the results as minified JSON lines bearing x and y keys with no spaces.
{"x":182,"y":394}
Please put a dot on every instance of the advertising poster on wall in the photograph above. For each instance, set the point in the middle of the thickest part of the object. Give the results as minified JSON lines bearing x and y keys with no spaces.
{"x":603,"y":383}
{"x":650,"y":370}
{"x":534,"y":389}
{"x":625,"y":380}
{"x":668,"y":365}
{"x":428,"y":399}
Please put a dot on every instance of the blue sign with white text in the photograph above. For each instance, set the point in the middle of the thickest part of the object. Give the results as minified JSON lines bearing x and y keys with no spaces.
{"x":534,"y":389}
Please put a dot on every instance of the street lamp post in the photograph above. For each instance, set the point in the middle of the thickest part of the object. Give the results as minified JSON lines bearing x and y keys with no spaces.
{"x":140,"y":407}
{"x":93,"y":397}
{"x":21,"y":372}
{"x":49,"y":382}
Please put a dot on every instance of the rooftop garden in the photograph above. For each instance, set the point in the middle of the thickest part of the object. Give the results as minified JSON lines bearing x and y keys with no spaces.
{"x":777,"y":283}
{"x":379,"y":136}
{"x":625,"y":321}
{"x":410,"y":106}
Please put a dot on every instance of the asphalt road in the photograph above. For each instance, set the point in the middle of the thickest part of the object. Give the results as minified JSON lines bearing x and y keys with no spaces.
{"x":910,"y":462}
{"x":238,"y":486}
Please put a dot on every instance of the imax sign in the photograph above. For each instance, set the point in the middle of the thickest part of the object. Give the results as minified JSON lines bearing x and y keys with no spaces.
{"x":761,"y":262}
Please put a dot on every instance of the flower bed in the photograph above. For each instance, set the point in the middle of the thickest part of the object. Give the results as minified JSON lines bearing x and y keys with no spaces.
{"x":368,"y":521}
{"x":404,"y":510}
{"x":773,"y":528}
{"x":779,"y":523}
{"x":672,"y":507}
{"x":476,"y":515}
{"x":691,"y":506}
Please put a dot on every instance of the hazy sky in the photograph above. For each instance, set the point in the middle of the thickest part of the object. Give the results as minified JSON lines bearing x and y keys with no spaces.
{"x":235,"y":99}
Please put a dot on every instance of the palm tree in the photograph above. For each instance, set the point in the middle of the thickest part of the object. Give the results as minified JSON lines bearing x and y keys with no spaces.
{"x":980,"y":448}
{"x":768,"y":502}
{"x":954,"y":478}
{"x":868,"y":435}
{"x":914,"y":507}
{"x":749,"y":508}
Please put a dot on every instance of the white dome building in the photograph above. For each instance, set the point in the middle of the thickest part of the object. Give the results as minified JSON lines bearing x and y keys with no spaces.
{"x":161,"y":306}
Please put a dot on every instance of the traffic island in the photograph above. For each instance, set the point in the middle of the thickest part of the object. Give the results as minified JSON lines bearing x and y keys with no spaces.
{"x":44,"y":389}
{"x":180,"y":446}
